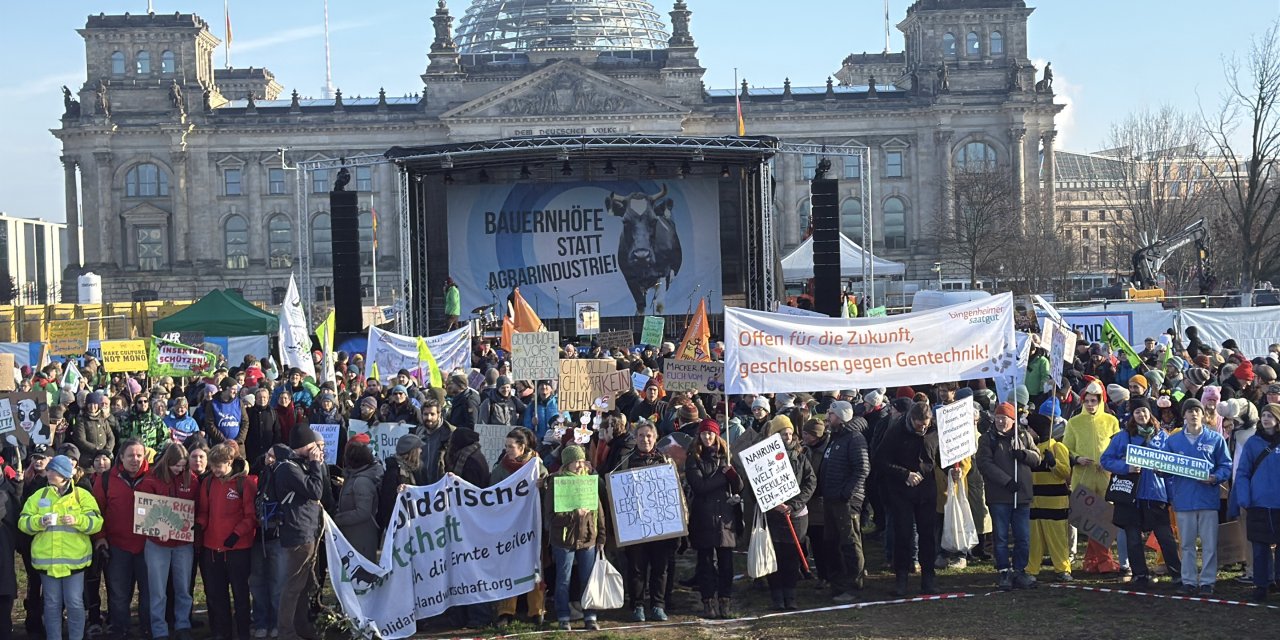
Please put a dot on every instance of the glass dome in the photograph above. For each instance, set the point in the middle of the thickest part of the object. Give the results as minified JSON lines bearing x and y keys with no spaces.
{"x":495,"y":26}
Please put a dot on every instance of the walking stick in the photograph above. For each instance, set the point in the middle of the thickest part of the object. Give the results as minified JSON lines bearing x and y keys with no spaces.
{"x":796,"y":539}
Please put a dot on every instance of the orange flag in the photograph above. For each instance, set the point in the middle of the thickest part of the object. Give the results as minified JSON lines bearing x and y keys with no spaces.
{"x":526,"y":320}
{"x":508,"y":328}
{"x":697,"y":338}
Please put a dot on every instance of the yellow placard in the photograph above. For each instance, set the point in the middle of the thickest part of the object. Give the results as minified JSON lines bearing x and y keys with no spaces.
{"x":124,"y":355}
{"x":68,"y":337}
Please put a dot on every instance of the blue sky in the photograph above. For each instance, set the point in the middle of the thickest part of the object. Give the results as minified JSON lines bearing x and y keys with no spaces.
{"x":1110,"y":57}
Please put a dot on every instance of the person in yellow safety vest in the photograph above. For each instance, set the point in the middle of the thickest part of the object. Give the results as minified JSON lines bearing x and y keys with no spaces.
{"x":852,"y":301}
{"x":61,"y":517}
{"x":1052,"y":499}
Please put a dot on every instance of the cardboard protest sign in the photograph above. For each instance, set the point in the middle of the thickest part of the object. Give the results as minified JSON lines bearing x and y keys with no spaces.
{"x":121,"y":356}
{"x":692,"y":375}
{"x":647,"y":504}
{"x":621,"y":339}
{"x":588,"y":315}
{"x":535,"y":355}
{"x":769,"y":471}
{"x":448,"y":544}
{"x":576,"y":492}
{"x":770,"y":353}
{"x":167,"y":358}
{"x":68,"y":337}
{"x":493,"y":438}
{"x":7,"y":381}
{"x":639,"y":380}
{"x":651,"y":334}
{"x":163,"y":517}
{"x":957,"y":435}
{"x":1233,"y":546}
{"x":330,"y":434}
{"x":382,"y":436}
{"x":29,"y":413}
{"x":1091,"y":515}
{"x":591,"y":385}
{"x":1167,"y":462}
{"x":9,"y":432}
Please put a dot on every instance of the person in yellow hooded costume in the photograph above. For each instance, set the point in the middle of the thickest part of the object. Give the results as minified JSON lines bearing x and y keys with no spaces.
{"x":1087,"y":435}
{"x":61,"y":517}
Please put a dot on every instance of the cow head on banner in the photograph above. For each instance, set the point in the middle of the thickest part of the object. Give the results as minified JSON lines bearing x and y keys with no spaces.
{"x":649,"y":252}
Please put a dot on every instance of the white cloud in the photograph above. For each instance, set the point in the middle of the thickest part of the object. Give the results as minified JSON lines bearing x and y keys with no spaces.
{"x":1066,"y":93}
{"x":40,"y":86}
{"x":293,"y":35}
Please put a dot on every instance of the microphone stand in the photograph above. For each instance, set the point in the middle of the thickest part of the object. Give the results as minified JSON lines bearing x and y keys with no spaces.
{"x":559,"y":316}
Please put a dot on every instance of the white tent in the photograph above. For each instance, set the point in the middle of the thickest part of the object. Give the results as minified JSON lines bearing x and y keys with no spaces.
{"x":798,"y":265}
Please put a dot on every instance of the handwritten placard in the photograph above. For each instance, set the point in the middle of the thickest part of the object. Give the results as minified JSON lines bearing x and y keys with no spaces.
{"x":591,"y":385}
{"x":576,"y":492}
{"x":651,"y":334}
{"x":769,"y":471}
{"x":957,"y":437}
{"x":648,"y":504}
{"x":535,"y":355}
{"x":330,"y":434}
{"x":610,"y":340}
{"x":1091,"y":515}
{"x":692,"y":375}
{"x":163,"y":517}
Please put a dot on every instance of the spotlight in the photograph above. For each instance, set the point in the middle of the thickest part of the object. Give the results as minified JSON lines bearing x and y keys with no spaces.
{"x":609,"y":169}
{"x":566,"y":169}
{"x":446,"y":162}
{"x":525,"y":173}
{"x":697,"y":156}
{"x":724,"y":171}
{"x":652,"y":170}
{"x":483,"y":176}
{"x":448,"y":177}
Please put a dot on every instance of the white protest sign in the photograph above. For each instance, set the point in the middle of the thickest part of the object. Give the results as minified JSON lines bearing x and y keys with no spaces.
{"x":692,"y":375}
{"x":769,"y":470}
{"x":535,"y":355}
{"x":770,"y":353}
{"x":797,"y":311}
{"x":648,"y":504}
{"x":1058,"y":339}
{"x":330,"y":434}
{"x":956,"y":432}
{"x":449,"y":544}
{"x":382,"y":436}
{"x":493,"y":437}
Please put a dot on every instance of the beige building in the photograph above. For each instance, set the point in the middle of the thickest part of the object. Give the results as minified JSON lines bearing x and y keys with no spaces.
{"x":31,"y":254}
{"x":174,"y":173}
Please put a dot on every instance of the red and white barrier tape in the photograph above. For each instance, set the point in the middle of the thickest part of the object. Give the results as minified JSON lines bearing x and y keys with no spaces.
{"x":1167,"y":596}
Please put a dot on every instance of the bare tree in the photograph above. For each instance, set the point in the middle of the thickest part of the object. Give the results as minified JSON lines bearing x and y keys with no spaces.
{"x":1036,"y":257}
{"x":1151,"y":186}
{"x":984,"y":216}
{"x":1244,"y":169}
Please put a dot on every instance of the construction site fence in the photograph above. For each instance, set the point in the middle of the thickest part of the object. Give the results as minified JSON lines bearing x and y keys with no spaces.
{"x":107,"y":321}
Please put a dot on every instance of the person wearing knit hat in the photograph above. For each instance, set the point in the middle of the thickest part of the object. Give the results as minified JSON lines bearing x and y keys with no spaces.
{"x":714,"y":488}
{"x":1086,"y":436}
{"x":1006,"y":458}
{"x":1155,"y":381}
{"x":905,"y":392}
{"x":1197,"y":377}
{"x":1117,"y":393}
{"x":1272,"y":393}
{"x":778,"y":424}
{"x":760,"y":410}
{"x":790,"y":517}
{"x":842,"y":481}
{"x":1138,"y":386}
{"x":1051,"y":499}
{"x":1007,"y":410}
{"x":842,"y":410}
{"x":1195,"y":501}
{"x":1257,"y":476}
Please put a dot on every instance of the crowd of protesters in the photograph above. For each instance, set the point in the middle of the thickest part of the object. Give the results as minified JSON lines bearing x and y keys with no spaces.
{"x":241,"y":445}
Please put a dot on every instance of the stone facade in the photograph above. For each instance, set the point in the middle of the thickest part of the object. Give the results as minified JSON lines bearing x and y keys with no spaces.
{"x":184,"y":189}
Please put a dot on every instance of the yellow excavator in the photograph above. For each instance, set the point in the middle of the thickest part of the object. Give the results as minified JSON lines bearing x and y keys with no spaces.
{"x":1148,"y":261}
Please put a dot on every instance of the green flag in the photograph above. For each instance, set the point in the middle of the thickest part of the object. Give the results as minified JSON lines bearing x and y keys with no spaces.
{"x":1118,"y":344}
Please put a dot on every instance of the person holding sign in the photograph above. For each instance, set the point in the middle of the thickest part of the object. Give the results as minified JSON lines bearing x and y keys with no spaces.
{"x":576,"y":535}
{"x":1140,"y":497}
{"x":169,"y":560}
{"x":789,"y":521}
{"x":518,"y":450}
{"x":1257,"y":488}
{"x":1086,"y":436}
{"x":1195,"y":502}
{"x":715,"y":518}
{"x":647,"y":561}
{"x":1006,"y":458}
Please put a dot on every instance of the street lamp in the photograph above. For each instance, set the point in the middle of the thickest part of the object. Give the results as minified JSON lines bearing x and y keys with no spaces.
{"x":937,"y":268}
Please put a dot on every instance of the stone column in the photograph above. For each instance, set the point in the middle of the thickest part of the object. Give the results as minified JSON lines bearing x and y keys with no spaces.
{"x":1018,"y":144}
{"x":942,"y":142}
{"x":72,"y":249}
{"x":111,"y":251}
{"x":181,"y":226}
{"x":1050,"y":175}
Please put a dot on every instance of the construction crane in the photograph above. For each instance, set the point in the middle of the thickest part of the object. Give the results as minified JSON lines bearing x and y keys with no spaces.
{"x":1149,"y":260}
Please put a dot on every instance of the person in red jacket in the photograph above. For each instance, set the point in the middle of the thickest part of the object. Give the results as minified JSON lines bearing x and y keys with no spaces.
{"x":126,"y":565}
{"x":169,"y":559}
{"x":226,"y":516}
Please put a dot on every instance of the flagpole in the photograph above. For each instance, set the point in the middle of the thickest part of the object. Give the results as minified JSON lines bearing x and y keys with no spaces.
{"x":226,"y":44}
{"x":373,"y":213}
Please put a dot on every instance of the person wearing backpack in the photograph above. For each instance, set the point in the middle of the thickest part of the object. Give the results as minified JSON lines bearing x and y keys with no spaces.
{"x":1257,"y":488}
{"x":126,"y":565}
{"x":61,"y":517}
{"x":300,"y":479}
{"x":267,"y":562}
{"x":227,"y":516}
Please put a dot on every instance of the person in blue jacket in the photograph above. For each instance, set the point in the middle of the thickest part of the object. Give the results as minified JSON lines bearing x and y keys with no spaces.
{"x":1148,"y":509}
{"x":1195,"y":502}
{"x":1257,"y":488}
{"x":547,"y":408}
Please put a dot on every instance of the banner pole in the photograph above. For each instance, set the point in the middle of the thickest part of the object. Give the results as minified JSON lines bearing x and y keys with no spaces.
{"x":796,"y":539}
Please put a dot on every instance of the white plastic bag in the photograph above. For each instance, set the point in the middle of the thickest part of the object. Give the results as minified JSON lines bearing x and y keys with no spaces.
{"x":761,"y":560}
{"x":958,"y":531}
{"x":604,"y":586}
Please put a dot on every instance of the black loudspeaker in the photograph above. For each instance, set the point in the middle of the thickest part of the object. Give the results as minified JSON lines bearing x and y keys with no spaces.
{"x":347,"y":303}
{"x":826,"y":246}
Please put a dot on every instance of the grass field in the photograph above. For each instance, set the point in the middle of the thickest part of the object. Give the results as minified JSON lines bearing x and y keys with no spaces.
{"x":1041,"y":613}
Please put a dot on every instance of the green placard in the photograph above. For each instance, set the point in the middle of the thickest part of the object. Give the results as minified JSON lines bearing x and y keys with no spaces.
{"x":652,"y":333}
{"x":576,"y":492}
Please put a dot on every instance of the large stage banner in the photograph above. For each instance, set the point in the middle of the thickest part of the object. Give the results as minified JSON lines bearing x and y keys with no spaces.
{"x":768,"y":352}
{"x":449,"y":544}
{"x":616,"y":241}
{"x":1253,"y":328}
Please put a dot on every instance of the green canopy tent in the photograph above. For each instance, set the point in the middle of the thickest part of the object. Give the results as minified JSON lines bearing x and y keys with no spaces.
{"x":220,"y":313}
